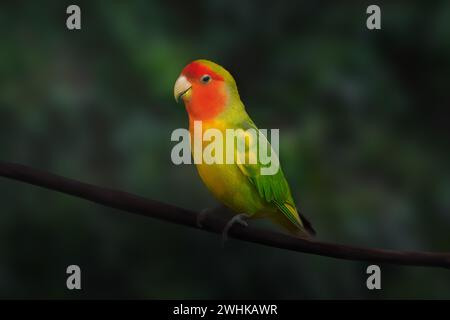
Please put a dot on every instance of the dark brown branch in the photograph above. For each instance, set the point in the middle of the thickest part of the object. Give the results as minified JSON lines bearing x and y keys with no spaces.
{"x":213,"y":223}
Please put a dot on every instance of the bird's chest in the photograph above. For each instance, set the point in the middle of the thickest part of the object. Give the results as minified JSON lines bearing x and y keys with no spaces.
{"x":208,"y":147}
{"x":225,"y":181}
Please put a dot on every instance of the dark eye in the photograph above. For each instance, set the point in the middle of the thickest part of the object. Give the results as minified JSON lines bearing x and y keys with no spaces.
{"x":205,"y":78}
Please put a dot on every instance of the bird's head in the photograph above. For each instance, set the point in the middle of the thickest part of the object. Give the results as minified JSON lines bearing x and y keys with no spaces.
{"x":206,"y":89}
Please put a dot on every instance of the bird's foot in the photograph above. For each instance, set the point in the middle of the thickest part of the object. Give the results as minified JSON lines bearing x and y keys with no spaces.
{"x":202,"y":216}
{"x":239,"y":218}
{"x":222,"y":210}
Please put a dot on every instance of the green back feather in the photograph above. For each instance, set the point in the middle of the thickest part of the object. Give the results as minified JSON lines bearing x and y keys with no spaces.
{"x":272,"y":188}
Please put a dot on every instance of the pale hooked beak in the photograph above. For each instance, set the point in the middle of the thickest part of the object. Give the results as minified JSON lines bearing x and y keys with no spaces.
{"x":182,"y":86}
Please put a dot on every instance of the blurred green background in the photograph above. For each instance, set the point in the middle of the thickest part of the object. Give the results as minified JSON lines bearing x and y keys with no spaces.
{"x":364,"y":132}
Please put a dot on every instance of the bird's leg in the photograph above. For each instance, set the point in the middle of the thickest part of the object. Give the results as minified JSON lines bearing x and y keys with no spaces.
{"x":207,"y":211}
{"x":239,"y":218}
{"x":201,"y":216}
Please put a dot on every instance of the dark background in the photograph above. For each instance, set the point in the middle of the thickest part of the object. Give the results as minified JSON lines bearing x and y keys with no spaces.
{"x":364,"y":132}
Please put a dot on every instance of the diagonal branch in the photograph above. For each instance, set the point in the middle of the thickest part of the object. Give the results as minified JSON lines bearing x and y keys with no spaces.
{"x":213,"y":223}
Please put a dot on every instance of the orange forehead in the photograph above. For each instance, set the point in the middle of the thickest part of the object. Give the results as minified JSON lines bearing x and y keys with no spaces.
{"x":195,"y":70}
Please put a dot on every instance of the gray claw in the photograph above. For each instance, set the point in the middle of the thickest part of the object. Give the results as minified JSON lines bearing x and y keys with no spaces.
{"x":201,"y":216}
{"x":239,"y":218}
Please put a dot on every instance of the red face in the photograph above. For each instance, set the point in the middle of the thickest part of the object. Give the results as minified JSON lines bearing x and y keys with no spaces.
{"x":202,"y":90}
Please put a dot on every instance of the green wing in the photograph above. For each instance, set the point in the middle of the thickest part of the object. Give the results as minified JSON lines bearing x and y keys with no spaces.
{"x":272,"y":188}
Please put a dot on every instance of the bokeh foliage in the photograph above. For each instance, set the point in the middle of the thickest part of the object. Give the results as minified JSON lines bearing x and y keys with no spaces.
{"x":363,"y":118}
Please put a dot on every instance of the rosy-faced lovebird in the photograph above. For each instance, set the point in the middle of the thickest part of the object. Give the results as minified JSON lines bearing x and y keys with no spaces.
{"x":210,"y":95}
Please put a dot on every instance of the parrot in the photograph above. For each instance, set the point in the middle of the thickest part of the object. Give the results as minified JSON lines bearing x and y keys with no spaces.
{"x":210,"y":95}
